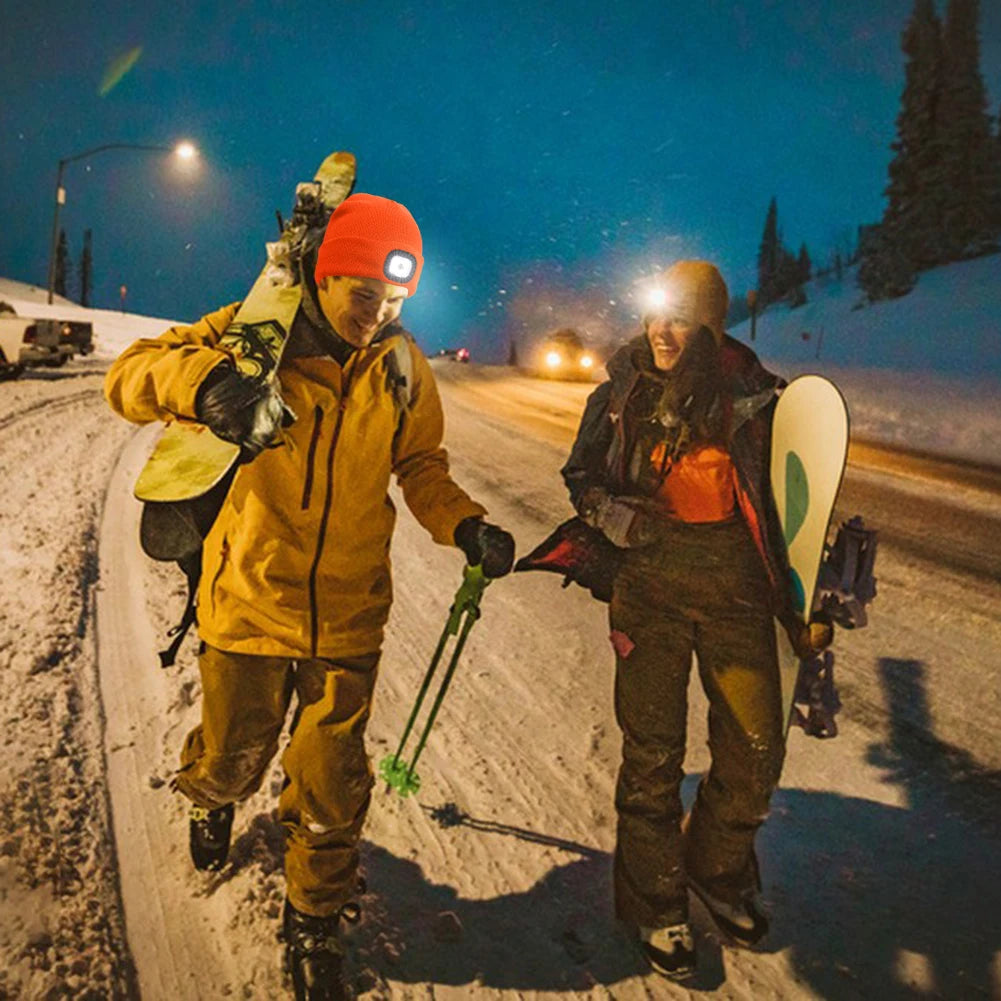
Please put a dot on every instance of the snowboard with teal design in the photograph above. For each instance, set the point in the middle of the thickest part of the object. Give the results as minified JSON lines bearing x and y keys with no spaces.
{"x":809,"y":450}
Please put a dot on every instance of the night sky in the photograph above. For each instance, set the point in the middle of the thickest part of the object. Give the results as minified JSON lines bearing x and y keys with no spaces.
{"x":581,"y":145}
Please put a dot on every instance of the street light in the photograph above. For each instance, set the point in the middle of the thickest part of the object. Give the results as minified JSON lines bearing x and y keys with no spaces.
{"x":183,"y":150}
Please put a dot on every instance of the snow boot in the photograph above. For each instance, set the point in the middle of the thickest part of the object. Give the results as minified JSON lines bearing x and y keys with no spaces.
{"x":744,"y":922}
{"x":670,"y":951}
{"x":208,"y":836}
{"x":314,"y":955}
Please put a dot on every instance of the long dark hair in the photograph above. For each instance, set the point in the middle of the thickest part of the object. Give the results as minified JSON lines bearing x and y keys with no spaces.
{"x":693,"y":391}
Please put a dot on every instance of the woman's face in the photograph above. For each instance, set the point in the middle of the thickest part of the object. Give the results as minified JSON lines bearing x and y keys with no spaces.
{"x":668,"y":337}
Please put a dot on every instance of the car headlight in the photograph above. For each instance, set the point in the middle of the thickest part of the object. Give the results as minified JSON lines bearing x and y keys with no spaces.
{"x":586,"y":361}
{"x":553,"y":359}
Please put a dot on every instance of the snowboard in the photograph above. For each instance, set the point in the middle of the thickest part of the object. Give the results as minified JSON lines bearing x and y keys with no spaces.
{"x":809,"y":450}
{"x":188,"y":460}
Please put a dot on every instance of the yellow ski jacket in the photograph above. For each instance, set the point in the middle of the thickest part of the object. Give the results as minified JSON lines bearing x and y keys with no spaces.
{"x":297,"y":562}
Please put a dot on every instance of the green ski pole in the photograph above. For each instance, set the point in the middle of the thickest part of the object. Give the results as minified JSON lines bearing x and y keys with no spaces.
{"x":464,"y":612}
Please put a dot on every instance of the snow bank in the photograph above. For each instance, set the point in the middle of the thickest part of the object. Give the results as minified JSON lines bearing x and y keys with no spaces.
{"x":950,"y":323}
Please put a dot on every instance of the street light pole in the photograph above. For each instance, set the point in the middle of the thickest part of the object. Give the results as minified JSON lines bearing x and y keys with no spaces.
{"x":185,"y":150}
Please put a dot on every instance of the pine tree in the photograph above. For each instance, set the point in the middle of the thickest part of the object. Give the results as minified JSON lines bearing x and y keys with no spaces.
{"x":768,"y":256}
{"x":86,"y":269}
{"x":971,"y":181}
{"x":787,"y":276}
{"x":804,"y":266}
{"x":997,"y":155}
{"x":884,"y":272}
{"x":62,"y":265}
{"x":912,"y":222}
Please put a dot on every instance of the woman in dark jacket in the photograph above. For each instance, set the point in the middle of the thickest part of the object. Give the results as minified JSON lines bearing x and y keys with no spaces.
{"x":671,"y":464}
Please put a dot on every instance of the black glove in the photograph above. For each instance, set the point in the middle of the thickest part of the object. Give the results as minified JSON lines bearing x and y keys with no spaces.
{"x":485,"y":544}
{"x":238,"y":409}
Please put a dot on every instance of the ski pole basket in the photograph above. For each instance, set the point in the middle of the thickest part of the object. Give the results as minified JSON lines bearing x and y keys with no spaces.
{"x":463,"y":614}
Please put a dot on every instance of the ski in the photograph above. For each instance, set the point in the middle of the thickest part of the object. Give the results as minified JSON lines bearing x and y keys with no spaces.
{"x":188,"y":460}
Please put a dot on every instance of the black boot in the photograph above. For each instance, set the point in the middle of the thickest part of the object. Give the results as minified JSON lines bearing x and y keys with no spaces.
{"x":745,"y":922}
{"x":314,"y":955}
{"x":208,"y":836}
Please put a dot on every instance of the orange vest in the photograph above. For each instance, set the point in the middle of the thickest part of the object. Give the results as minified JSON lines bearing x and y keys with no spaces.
{"x":698,"y":487}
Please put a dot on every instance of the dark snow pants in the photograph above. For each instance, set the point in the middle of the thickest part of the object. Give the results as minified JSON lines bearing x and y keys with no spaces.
{"x":323,"y":804}
{"x":702,"y":589}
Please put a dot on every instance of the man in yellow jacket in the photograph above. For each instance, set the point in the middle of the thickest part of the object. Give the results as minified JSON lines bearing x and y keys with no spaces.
{"x":295,"y":587}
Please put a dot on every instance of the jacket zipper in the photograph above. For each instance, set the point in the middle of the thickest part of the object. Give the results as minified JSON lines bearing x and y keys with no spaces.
{"x":314,"y":614}
{"x":311,"y":455}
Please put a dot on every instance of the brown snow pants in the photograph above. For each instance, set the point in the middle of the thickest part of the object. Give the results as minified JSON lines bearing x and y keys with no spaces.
{"x":702,"y":589}
{"x":327,"y":790}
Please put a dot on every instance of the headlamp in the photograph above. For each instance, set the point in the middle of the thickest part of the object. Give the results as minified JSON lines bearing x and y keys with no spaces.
{"x":553,"y":359}
{"x":400,"y":266}
{"x":655,"y":298}
{"x":586,"y":361}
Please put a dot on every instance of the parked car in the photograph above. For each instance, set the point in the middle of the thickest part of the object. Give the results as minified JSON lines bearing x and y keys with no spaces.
{"x":26,"y":342}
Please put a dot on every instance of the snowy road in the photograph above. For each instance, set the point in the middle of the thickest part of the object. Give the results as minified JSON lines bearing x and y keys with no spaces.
{"x":880,"y":859}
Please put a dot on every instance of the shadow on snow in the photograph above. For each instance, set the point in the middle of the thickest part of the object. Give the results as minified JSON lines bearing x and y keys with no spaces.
{"x":863,"y":895}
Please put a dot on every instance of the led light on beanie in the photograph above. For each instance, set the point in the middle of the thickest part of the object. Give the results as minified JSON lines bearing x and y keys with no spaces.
{"x":400,"y":266}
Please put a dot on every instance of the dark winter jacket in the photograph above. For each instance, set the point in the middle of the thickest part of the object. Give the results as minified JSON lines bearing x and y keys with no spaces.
{"x":604,"y":453}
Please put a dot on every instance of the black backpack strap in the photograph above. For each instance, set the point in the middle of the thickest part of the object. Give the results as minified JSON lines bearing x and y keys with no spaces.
{"x":192,"y":567}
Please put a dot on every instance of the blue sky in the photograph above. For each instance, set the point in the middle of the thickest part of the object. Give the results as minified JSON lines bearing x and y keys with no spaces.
{"x":589,"y":140}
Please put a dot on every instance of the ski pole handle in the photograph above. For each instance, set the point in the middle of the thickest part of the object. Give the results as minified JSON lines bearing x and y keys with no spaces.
{"x":474,"y":582}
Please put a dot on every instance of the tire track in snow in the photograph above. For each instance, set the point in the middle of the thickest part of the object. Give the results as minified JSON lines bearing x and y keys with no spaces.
{"x":48,"y":407}
{"x":177,"y":941}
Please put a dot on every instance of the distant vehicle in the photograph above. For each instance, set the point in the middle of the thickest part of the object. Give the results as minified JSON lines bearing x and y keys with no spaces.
{"x":455,"y":354}
{"x":78,"y":335}
{"x":26,"y":342}
{"x":562,"y":355}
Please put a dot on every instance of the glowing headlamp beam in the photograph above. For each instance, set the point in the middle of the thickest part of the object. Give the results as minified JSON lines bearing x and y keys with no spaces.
{"x":656,"y":298}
